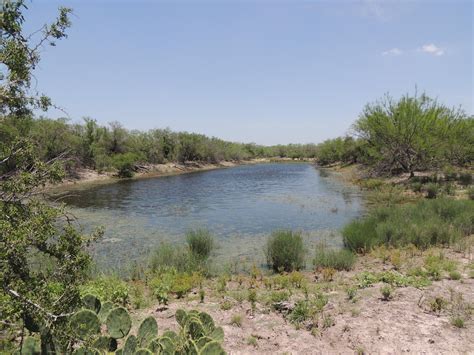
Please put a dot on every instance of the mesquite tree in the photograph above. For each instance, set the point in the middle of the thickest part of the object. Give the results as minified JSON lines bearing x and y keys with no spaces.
{"x":43,"y":258}
{"x":412,"y":134}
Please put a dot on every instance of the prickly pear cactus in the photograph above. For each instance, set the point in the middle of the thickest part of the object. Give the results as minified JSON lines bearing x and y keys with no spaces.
{"x":155,"y":346}
{"x":167,"y":345}
{"x":84,"y":323}
{"x":85,"y":351}
{"x":147,"y":331}
{"x":171,"y":335}
{"x":130,"y":344}
{"x":181,"y":316}
{"x":105,"y":343}
{"x":203,"y":341}
{"x":91,"y":302}
{"x":143,"y":351}
{"x":105,"y":308}
{"x":212,"y":348}
{"x":118,"y":323}
{"x":195,"y":329}
{"x":217,"y":334}
{"x":207,"y":322}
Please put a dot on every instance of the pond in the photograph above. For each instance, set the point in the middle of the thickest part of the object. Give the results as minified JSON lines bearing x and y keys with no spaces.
{"x":241,"y":206}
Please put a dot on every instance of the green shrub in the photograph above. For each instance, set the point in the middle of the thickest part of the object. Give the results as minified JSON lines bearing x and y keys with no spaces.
{"x":236,"y":320}
{"x":279,"y":296}
{"x":470,"y":193}
{"x":458,"y":322}
{"x":342,"y":259}
{"x":455,"y":275}
{"x":416,"y":186}
{"x":300,"y":313}
{"x":107,"y":288}
{"x":200,"y":243}
{"x":168,"y":256}
{"x":426,"y":223}
{"x":432,"y":190}
{"x":465,"y":179}
{"x":125,"y":164}
{"x":285,"y":251}
{"x":386,"y":292}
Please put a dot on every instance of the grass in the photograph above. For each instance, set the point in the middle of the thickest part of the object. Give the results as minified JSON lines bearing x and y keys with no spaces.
{"x":342,"y":259}
{"x":236,"y":320}
{"x":423,"y":224}
{"x":387,"y":292}
{"x":200,"y":243}
{"x":285,"y":251}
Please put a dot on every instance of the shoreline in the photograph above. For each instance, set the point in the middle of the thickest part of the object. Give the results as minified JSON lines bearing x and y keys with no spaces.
{"x":88,"y":177}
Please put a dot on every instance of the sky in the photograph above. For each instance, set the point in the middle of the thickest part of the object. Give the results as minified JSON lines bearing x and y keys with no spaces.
{"x":269,"y":72}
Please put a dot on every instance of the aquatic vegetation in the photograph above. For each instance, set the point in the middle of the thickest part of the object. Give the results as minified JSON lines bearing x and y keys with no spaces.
{"x":342,"y":259}
{"x":200,"y":243}
{"x":424,"y":224}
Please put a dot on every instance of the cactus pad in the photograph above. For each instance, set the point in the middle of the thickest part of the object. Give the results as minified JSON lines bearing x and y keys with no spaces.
{"x":143,"y":351}
{"x":130,"y":344}
{"x":147,"y":331}
{"x":91,"y":302}
{"x":106,"y":343}
{"x":207,"y":322}
{"x":85,"y":323}
{"x":217,"y":334}
{"x":118,"y":323}
{"x":105,"y":308}
{"x":181,"y":316}
{"x":212,"y":348}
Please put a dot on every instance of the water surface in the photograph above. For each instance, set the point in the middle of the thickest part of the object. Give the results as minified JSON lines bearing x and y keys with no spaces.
{"x":239,"y":205}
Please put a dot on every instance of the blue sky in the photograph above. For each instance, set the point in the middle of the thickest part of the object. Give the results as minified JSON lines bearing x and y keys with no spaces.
{"x":259,"y":71}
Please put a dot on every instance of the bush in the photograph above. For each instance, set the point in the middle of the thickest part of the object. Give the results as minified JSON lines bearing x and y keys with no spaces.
{"x":465,"y":179}
{"x":342,"y":259}
{"x":107,"y":288}
{"x":470,"y":193}
{"x":168,"y":256}
{"x":236,"y":320}
{"x":426,"y":223}
{"x":285,"y":251}
{"x":432,"y":190}
{"x":200,"y":243}
{"x":125,"y":164}
{"x":386,"y":292}
{"x":300,"y":313}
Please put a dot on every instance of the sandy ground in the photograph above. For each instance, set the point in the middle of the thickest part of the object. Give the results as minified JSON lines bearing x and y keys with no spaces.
{"x":368,"y":324}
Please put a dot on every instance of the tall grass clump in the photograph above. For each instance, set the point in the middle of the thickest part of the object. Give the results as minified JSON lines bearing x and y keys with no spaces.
{"x":325,"y":257}
{"x":426,"y":223}
{"x":170,"y":256}
{"x":200,"y":243}
{"x":285,"y":251}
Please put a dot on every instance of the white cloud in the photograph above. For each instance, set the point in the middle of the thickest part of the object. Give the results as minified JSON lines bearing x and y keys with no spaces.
{"x":393,"y":51}
{"x":432,"y":49}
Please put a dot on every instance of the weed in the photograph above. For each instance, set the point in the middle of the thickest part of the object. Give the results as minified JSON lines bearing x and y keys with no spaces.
{"x":200,"y":243}
{"x":387,"y":292}
{"x":458,"y":322}
{"x":251,"y":340}
{"x":236,"y":320}
{"x":226,"y":305}
{"x":351,"y":293}
{"x":342,"y":259}
{"x":455,"y":275}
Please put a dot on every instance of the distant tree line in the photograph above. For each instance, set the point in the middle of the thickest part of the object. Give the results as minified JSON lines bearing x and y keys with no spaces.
{"x":390,"y":136}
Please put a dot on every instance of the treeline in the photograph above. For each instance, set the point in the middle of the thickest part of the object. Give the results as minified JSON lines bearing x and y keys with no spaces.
{"x":414,"y":133}
{"x":103,"y":147}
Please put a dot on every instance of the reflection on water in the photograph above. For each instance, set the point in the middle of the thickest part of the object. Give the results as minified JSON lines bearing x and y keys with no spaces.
{"x":239,"y":205}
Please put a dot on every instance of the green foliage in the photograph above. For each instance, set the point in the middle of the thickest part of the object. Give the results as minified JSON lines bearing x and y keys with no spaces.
{"x":458,"y":322}
{"x":342,"y":259}
{"x":91,"y":302}
{"x":414,"y":133}
{"x":130,"y":345}
{"x":168,"y":256}
{"x":118,"y":323}
{"x":387,"y":292}
{"x":424,"y":224}
{"x":300,"y":313}
{"x":200,"y":243}
{"x":30,"y":346}
{"x":465,"y":179}
{"x":432,"y":190}
{"x":236,"y":320}
{"x":470,"y":193}
{"x":285,"y":251}
{"x":107,"y":288}
{"x":343,"y":150}
{"x":125,"y":164}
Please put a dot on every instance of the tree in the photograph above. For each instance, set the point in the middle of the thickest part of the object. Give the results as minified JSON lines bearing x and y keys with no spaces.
{"x":409,"y":134}
{"x":43,"y":257}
